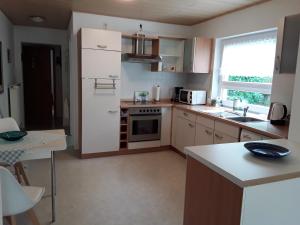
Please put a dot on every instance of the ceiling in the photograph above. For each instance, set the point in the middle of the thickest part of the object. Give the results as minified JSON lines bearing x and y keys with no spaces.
{"x":58,"y":12}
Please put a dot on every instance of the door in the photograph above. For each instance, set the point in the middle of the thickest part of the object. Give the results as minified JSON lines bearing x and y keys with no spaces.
{"x":204,"y":135}
{"x":185,"y":134}
{"x":38,"y":98}
{"x":100,"y":118}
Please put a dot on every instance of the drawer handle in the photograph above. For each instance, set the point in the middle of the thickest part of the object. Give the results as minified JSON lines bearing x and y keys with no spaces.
{"x":185,"y":114}
{"x":247,"y":137}
{"x":208,"y":132}
{"x":191,"y":125}
{"x":102,"y":46}
{"x":218,"y":136}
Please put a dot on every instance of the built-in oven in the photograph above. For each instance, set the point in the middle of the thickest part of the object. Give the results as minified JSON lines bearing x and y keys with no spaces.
{"x":144,"y":124}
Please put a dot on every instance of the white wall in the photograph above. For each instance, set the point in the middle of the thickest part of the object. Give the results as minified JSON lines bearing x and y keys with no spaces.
{"x":252,"y":19}
{"x":23,"y":34}
{"x":6,"y":37}
{"x":134,"y":77}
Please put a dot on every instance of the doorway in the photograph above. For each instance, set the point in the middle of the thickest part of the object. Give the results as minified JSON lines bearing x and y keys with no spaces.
{"x":42,"y":78}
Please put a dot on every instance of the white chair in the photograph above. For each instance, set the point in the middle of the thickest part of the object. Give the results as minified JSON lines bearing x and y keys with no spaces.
{"x":9,"y":124}
{"x":17,"y":199}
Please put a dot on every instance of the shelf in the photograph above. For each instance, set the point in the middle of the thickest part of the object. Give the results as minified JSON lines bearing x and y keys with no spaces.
{"x":175,"y":56}
{"x":124,"y":124}
{"x":123,"y":132}
{"x":123,"y":141}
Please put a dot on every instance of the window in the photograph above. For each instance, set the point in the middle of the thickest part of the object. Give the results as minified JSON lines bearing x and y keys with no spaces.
{"x":246,"y":69}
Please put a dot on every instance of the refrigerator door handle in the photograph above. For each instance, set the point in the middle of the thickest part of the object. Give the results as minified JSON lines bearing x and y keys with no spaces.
{"x":113,"y":111}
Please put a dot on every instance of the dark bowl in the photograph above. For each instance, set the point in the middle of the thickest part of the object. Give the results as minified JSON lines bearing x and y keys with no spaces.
{"x":13,"y":135}
{"x":267,"y":150}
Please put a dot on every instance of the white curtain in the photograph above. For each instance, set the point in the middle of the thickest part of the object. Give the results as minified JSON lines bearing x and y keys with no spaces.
{"x":251,"y":55}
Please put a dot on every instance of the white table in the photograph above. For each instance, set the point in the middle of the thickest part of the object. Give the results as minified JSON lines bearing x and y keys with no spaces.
{"x":43,"y":145}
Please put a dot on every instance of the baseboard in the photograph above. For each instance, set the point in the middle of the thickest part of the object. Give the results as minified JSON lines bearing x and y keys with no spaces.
{"x":125,"y":152}
{"x":178,"y":152}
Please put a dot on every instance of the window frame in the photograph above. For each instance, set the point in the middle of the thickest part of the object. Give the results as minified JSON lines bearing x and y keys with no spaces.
{"x":264,"y":88}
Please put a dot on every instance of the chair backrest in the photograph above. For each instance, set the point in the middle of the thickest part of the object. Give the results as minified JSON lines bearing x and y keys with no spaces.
{"x":14,"y":199}
{"x":8,"y":124}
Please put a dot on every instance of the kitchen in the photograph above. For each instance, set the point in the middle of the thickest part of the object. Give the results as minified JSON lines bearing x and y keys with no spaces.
{"x":155,"y":88}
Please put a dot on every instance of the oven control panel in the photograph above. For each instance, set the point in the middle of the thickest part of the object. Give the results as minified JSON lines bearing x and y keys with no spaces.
{"x":144,"y":110}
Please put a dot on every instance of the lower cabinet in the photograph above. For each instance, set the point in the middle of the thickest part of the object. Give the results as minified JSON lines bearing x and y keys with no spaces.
{"x":251,"y":136}
{"x":185,"y":133}
{"x":204,"y":135}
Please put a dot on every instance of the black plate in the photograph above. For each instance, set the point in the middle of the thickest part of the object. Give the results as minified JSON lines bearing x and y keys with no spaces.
{"x":267,"y":150}
{"x":13,"y":135}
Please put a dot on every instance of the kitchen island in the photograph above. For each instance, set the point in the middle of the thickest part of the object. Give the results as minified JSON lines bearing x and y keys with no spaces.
{"x":227,"y":185}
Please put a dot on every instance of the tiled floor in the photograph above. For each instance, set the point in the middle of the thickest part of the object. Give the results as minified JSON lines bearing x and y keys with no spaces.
{"x":142,"y":189}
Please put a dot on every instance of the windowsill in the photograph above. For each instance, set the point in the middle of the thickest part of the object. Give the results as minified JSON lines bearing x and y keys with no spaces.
{"x":257,"y":115}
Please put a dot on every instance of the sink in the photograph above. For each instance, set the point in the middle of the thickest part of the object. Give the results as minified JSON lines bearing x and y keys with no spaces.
{"x":245,"y":119}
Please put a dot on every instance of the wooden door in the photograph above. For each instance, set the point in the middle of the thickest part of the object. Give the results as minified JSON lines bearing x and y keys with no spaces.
{"x":38,"y":99}
{"x":204,"y":135}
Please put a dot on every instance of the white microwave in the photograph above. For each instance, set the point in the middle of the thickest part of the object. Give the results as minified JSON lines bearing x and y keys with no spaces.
{"x":192,"y":97}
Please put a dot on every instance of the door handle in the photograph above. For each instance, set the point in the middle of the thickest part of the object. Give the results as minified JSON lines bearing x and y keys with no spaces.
{"x":102,"y":46}
{"x":185,"y":114}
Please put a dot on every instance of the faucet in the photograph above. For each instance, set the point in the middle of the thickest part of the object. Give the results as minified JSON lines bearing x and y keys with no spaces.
{"x":245,"y":109}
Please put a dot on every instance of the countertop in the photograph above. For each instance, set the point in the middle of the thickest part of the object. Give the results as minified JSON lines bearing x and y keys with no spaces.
{"x":237,"y":164}
{"x":263,"y":128}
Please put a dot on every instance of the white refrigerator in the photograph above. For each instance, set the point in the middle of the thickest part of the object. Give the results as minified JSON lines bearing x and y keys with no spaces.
{"x":100,"y":92}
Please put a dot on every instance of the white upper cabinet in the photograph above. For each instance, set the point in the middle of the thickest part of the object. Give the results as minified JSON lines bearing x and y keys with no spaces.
{"x":101,"y":64}
{"x":101,"y":39}
{"x":287,"y":45}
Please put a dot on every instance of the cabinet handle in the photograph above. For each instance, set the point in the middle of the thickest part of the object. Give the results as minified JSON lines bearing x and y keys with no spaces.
{"x":277,"y":64}
{"x":102,"y":46}
{"x":208,"y":132}
{"x":113,"y":76}
{"x":191,"y":125}
{"x":218,"y":136}
{"x":185,"y":114}
{"x":247,"y":137}
{"x":113,"y":111}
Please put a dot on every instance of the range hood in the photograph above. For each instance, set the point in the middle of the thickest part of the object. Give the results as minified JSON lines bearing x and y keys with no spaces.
{"x":138,"y":49}
{"x":134,"y":58}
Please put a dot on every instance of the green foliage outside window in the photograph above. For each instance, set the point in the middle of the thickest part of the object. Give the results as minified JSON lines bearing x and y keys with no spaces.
{"x":254,"y":98}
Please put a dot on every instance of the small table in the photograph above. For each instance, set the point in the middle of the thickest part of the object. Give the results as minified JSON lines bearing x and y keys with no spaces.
{"x":39,"y":145}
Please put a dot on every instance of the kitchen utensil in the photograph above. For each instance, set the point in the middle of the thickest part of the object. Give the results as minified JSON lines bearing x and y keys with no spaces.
{"x":278,"y":113}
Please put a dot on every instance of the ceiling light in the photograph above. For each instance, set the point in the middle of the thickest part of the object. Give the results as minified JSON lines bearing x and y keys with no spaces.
{"x":37,"y":19}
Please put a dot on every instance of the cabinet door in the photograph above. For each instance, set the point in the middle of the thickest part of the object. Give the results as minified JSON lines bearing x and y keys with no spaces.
{"x":102,"y":64}
{"x":249,"y":136}
{"x":202,"y":55}
{"x":220,"y":138}
{"x":174,"y":126}
{"x":100,"y":118}
{"x":101,"y":39}
{"x":204,"y":135}
{"x":166,"y":126}
{"x":185,"y":134}
{"x":287,"y":45}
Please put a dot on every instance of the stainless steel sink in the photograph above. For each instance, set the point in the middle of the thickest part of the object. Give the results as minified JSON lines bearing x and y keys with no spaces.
{"x":245,"y":119}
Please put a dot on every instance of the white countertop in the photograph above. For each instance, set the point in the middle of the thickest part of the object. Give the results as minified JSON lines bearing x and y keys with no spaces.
{"x":237,"y":164}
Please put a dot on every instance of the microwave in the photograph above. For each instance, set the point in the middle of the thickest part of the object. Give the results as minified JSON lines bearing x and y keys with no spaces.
{"x":192,"y":97}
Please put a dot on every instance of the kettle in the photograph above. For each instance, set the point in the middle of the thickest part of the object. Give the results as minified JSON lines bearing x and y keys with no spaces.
{"x":278,"y":113}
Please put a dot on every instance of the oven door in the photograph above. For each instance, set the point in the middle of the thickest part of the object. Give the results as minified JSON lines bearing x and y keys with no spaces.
{"x":184,"y":96}
{"x":144,"y":128}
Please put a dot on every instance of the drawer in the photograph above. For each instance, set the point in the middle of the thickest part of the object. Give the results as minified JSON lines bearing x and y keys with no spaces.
{"x":230,"y":130}
{"x":206,"y":122}
{"x":101,"y":39}
{"x":221,"y":138}
{"x":186,"y":115}
{"x":249,"y":136}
